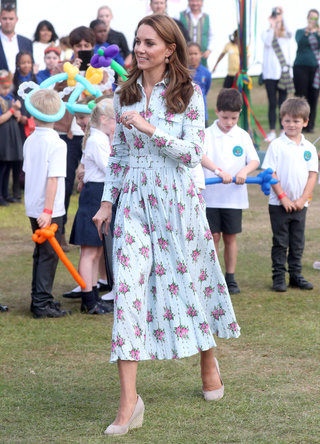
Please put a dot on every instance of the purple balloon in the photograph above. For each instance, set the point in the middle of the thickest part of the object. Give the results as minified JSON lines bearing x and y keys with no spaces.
{"x":104,"y":61}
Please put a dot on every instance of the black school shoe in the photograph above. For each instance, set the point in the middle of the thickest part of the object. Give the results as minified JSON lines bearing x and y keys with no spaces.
{"x":49,"y":311}
{"x":232,"y":286}
{"x":298,"y":281}
{"x":103,"y":287}
{"x":4,"y":308}
{"x":56,"y":303}
{"x":97,"y":309}
{"x":3,"y":202}
{"x":72,"y":295}
{"x":12,"y":199}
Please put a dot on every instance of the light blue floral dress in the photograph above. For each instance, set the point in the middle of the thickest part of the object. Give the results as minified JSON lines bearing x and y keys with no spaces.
{"x":170,"y":293}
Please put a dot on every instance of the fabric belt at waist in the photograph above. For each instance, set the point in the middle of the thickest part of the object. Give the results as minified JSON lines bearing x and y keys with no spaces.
{"x":151,"y":162}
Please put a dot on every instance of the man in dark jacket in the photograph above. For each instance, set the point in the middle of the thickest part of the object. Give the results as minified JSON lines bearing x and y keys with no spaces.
{"x":10,"y":42}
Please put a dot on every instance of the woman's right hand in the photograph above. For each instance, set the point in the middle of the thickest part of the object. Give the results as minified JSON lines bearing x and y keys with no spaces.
{"x":103,"y":215}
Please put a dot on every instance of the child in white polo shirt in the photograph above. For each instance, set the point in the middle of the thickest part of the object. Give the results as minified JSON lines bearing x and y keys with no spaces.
{"x":44,"y":165}
{"x":294,"y":161}
{"x":228,"y":152}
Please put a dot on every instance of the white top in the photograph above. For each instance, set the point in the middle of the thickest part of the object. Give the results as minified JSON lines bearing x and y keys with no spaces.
{"x":45,"y":155}
{"x":11,"y":49}
{"x":96,"y":156}
{"x":198,"y":176}
{"x":292,"y":165}
{"x":38,"y":53}
{"x":231,"y":152}
{"x":271,"y":65}
{"x":195,"y":23}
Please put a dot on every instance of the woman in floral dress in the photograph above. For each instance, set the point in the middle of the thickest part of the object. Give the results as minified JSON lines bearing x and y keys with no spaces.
{"x":170,"y":292}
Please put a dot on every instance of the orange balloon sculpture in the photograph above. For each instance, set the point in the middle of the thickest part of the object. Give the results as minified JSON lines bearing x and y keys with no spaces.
{"x":41,"y":235}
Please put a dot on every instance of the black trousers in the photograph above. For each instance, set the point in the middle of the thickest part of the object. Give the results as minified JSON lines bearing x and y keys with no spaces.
{"x":16,"y":171}
{"x":74,"y":153}
{"x":276,"y":97}
{"x":228,"y":81}
{"x":288,"y":233}
{"x":4,"y":179}
{"x":303,"y":79}
{"x":45,"y":261}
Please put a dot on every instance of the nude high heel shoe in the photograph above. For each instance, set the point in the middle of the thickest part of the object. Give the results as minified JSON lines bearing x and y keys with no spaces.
{"x":214,"y":395}
{"x":134,"y":422}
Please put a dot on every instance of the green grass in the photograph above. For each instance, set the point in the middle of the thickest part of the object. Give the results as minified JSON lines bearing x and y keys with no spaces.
{"x":57,"y":386}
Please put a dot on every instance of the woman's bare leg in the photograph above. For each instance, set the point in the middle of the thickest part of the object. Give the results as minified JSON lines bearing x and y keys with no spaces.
{"x":128,"y":398}
{"x":209,"y":375}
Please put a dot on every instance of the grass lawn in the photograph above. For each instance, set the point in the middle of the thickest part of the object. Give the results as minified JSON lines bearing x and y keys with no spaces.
{"x":57,"y":386}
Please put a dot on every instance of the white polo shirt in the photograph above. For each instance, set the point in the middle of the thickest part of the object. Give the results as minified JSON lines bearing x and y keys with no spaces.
{"x":292,"y":165}
{"x":11,"y":49}
{"x":45,"y":155}
{"x":231,"y":152}
{"x":96,"y":156}
{"x":198,"y":176}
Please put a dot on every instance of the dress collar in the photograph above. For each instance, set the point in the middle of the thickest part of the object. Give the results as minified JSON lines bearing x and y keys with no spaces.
{"x":163,"y":82}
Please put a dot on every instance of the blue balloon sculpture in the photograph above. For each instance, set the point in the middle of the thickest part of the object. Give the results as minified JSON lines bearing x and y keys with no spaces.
{"x":264,"y":179}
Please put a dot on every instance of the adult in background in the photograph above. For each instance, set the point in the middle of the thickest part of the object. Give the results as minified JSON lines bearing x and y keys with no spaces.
{"x":81,"y":39}
{"x":276,"y":66}
{"x":10,"y":42}
{"x":167,"y":280}
{"x":115,"y":37}
{"x":199,"y":26}
{"x":160,"y":7}
{"x":306,"y":70}
{"x":44,"y":37}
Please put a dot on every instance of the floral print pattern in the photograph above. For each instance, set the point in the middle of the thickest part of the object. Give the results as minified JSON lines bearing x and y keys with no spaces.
{"x":171,"y":296}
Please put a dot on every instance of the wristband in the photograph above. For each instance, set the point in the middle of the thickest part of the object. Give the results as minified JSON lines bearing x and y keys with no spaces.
{"x":11,"y":110}
{"x":217,"y":171}
{"x":47,"y":211}
{"x":282,"y":195}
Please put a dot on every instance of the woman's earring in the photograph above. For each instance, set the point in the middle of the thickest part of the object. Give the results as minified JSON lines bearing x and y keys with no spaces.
{"x":167,"y":60}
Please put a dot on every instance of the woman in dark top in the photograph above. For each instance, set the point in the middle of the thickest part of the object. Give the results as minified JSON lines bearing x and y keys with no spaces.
{"x":115,"y":37}
{"x":306,"y":66}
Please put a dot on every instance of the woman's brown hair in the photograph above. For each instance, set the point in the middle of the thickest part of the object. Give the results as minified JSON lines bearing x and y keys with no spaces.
{"x":179,"y":88}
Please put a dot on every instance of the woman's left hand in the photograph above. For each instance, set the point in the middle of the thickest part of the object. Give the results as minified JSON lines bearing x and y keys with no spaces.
{"x":133,"y":118}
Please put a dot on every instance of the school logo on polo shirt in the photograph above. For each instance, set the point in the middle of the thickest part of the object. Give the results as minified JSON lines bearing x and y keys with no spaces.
{"x":307,"y":155}
{"x":237,"y":151}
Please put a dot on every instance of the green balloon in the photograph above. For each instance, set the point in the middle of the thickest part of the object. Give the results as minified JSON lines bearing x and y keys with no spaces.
{"x":91,"y":104}
{"x":100,"y":52}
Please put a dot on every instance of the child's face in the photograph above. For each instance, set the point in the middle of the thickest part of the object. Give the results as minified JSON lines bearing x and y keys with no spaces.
{"x":25,"y":64}
{"x":227,"y":120}
{"x":82,"y":120}
{"x":293,"y":125}
{"x":51,"y":59}
{"x":194,"y":56}
{"x":100,"y":31}
{"x":5,"y":89}
{"x":45,"y":35}
{"x":108,"y":125}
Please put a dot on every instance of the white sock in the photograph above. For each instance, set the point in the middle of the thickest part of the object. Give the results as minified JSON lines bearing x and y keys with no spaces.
{"x":108,"y":296}
{"x":103,"y":281}
{"x":77,"y":289}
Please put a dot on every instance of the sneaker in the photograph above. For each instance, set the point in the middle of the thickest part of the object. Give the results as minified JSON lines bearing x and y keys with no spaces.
{"x":298,"y":281}
{"x":233,"y":287}
{"x":3,"y":202}
{"x":316,"y":265}
{"x":64,"y":244}
{"x":49,"y":311}
{"x":3,"y":308}
{"x":279,"y":285}
{"x":56,"y":303}
{"x":270,"y":137}
{"x":97,"y":309}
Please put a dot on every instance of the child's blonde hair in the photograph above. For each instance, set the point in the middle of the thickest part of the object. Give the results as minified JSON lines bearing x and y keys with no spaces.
{"x":47,"y":101}
{"x":296,"y":107}
{"x":104,"y":107}
{"x":5,"y":77}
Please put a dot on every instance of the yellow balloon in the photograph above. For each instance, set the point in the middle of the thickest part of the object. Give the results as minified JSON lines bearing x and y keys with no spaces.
{"x":95,"y":76}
